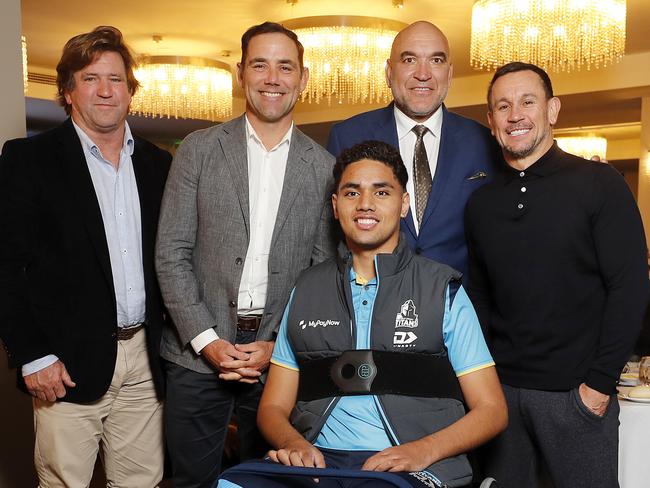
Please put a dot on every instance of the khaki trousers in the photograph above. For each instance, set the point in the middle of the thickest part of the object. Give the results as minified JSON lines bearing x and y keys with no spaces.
{"x":127,"y":423}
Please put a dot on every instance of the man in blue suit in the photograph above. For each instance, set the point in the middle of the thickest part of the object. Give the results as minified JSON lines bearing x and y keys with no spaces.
{"x":460,"y":153}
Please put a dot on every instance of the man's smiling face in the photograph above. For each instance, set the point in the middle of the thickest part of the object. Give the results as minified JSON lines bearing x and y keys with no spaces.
{"x":100,"y":96}
{"x":419,"y":70}
{"x":369,"y":203}
{"x":522,"y":116}
{"x":271,"y":77}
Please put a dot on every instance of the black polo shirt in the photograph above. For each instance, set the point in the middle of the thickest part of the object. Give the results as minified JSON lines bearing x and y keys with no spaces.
{"x":558,"y":272}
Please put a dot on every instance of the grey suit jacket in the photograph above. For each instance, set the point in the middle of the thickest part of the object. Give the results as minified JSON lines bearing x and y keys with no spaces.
{"x":203,"y":234}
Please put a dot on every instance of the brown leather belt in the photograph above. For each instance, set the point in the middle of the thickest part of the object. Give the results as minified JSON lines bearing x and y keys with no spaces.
{"x":249,"y":322}
{"x":126,"y":333}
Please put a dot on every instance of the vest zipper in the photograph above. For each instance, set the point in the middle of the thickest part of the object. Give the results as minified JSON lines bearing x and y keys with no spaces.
{"x":389,"y":429}
{"x":372,"y":310}
{"x":380,"y":408}
{"x":329,"y":405}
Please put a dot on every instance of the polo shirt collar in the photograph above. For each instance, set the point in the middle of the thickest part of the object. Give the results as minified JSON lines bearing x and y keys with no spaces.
{"x":548,"y":164}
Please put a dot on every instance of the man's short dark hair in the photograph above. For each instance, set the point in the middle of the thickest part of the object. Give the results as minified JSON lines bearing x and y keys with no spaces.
{"x":515,"y":67}
{"x":270,"y":28}
{"x":375,"y":151}
{"x":83,"y":50}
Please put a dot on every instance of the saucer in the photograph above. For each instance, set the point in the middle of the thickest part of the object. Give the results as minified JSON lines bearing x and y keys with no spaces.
{"x":628,"y":381}
{"x":635,"y":400}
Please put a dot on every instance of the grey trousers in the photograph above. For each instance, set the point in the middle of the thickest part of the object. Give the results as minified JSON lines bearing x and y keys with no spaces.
{"x":579,"y":448}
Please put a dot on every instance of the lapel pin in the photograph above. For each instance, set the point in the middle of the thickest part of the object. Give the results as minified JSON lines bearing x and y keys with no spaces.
{"x":477,"y":176}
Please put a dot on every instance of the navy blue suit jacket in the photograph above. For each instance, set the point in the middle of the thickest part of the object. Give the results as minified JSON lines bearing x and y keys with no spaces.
{"x":467,"y":159}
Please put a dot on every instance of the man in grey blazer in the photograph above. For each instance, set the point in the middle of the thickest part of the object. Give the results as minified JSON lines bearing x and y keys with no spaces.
{"x":246,"y":209}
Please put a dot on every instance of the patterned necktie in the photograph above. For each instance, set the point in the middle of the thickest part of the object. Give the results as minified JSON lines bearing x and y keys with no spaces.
{"x":421,"y":173}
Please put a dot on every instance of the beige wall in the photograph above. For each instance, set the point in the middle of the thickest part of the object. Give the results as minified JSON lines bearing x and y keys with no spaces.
{"x":12,"y":101}
{"x":16,"y":432}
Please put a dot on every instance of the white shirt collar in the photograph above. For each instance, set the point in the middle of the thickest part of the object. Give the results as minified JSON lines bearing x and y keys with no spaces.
{"x":87,"y":142}
{"x":405,"y":124}
{"x":251,"y":134}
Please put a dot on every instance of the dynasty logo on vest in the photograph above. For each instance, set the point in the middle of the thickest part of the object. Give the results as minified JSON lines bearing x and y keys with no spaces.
{"x":406,"y":318}
{"x":315,"y":323}
{"x":425,"y":478}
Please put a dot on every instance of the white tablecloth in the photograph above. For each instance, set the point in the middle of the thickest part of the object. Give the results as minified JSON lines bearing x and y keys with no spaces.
{"x":634,"y":445}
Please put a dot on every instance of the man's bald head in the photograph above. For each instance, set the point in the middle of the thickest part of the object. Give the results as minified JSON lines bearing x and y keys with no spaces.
{"x":419,"y":70}
{"x":421,"y":28}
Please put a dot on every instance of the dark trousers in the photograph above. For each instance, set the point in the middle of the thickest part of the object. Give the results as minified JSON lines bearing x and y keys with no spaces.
{"x":198,"y":409}
{"x":579,"y":448}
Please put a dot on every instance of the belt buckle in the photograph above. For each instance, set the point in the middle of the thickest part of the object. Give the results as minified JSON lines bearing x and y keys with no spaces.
{"x":124,"y":334}
{"x":249,"y":323}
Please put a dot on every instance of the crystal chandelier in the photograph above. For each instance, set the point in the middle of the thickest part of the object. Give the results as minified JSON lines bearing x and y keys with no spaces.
{"x":346,"y":57}
{"x":183,"y":87}
{"x":585,"y":147}
{"x":558,"y":35}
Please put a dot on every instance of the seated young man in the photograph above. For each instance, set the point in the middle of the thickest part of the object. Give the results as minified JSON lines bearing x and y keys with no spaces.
{"x":376,"y":347}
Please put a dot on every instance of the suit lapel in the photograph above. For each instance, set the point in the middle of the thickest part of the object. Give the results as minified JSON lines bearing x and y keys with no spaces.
{"x":143,"y":178}
{"x":233,"y":144}
{"x":81,"y":186}
{"x":387,"y":132}
{"x":446,"y":162}
{"x":294,"y":177}
{"x":408,"y":225}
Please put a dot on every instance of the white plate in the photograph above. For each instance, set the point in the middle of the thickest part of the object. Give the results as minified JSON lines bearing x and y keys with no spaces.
{"x":631,"y":399}
{"x":628,"y":382}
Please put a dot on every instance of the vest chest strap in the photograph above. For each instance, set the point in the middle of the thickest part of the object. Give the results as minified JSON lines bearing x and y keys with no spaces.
{"x":366,"y":371}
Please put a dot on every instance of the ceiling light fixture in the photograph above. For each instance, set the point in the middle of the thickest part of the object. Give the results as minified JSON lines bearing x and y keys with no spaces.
{"x":183,"y":87}
{"x":558,"y":35}
{"x":346,"y":57}
{"x":585,"y":147}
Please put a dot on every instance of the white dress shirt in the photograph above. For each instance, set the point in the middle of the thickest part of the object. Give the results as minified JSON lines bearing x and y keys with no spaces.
{"x":266,"y":170}
{"x":119,"y":203}
{"x":407,"y":139}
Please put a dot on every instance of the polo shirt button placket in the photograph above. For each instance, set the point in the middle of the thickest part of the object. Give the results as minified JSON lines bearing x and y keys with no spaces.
{"x":523,"y":189}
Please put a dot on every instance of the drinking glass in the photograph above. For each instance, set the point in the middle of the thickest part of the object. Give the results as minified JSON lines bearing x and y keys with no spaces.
{"x":644,"y":370}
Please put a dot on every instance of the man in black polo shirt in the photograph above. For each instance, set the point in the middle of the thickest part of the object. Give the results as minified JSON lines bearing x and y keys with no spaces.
{"x":558,"y":276}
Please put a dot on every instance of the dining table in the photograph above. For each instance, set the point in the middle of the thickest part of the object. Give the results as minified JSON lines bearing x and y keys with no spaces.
{"x":633,"y":442}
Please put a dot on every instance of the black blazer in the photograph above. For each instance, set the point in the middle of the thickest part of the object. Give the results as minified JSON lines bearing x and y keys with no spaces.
{"x":56,"y":285}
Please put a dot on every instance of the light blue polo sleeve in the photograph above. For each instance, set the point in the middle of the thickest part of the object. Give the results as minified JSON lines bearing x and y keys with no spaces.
{"x":463,"y":336}
{"x":283,"y":354}
{"x":228,"y":484}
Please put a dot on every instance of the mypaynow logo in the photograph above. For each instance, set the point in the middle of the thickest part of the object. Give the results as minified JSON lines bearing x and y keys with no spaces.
{"x":315,"y":323}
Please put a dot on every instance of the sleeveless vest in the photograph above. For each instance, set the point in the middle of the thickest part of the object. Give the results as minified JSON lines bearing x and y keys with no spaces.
{"x":407,"y":317}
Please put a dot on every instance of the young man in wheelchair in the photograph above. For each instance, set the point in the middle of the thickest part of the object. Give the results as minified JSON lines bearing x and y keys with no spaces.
{"x":377,"y":356}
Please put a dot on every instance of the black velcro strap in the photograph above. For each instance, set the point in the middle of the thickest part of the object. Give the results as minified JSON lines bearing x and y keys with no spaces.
{"x":366,"y":372}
